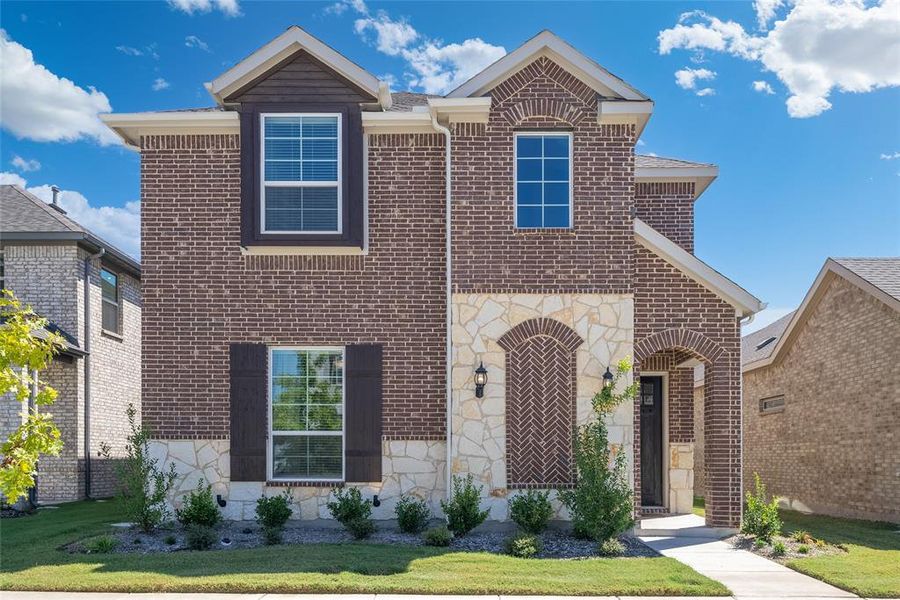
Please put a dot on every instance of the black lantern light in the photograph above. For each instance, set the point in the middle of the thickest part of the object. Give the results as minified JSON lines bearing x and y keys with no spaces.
{"x":480,"y":380}
{"x":607,"y":378}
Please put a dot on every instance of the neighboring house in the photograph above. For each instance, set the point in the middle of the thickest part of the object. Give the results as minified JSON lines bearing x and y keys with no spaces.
{"x":44,"y":258}
{"x":310,"y":322}
{"x":822,"y":395}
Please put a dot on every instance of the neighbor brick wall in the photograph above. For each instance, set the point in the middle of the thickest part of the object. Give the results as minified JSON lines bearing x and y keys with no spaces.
{"x":669,"y":209}
{"x":490,"y":254}
{"x":201,"y":293}
{"x":836,"y":447}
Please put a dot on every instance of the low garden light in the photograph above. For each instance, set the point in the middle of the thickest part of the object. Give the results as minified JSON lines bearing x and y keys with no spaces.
{"x":607,"y":378}
{"x":480,"y":380}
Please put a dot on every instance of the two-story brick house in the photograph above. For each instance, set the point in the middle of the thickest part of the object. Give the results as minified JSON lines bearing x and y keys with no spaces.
{"x":326,"y":264}
{"x":46,"y":258}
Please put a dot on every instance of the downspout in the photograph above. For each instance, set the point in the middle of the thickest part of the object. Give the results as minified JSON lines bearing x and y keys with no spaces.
{"x":448,"y":367}
{"x":87,"y":370}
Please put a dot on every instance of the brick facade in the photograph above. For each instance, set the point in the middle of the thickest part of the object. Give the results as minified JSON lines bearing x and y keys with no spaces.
{"x":669,"y":209}
{"x":835,"y":449}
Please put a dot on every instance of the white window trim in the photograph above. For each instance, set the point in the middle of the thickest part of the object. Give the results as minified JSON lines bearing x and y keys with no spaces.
{"x":270,"y":454}
{"x":263,"y":183}
{"x":516,"y":137}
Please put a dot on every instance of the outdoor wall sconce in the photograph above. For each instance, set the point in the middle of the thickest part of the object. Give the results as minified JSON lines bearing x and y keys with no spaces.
{"x":607,"y":378}
{"x":480,"y":380}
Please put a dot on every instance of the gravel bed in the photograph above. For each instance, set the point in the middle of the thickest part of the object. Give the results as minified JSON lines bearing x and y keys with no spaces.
{"x":556,"y":544}
{"x":744,"y":542}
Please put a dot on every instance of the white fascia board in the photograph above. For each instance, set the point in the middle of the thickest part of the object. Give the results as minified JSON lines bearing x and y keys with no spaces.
{"x":461,"y":110}
{"x":397,"y":122}
{"x":625,"y":111}
{"x":281,"y":48}
{"x":546,"y":43}
{"x":701,"y":176}
{"x":744,"y":302}
{"x":131,"y":126}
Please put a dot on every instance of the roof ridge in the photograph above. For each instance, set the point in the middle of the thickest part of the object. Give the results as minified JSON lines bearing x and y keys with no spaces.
{"x":65,"y":221}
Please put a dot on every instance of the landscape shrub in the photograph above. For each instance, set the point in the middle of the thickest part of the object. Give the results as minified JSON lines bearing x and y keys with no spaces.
{"x":413,"y":514}
{"x":170,"y":540}
{"x":464,"y":508}
{"x":531,"y":510}
{"x":611,"y":547}
{"x":360,"y":528}
{"x":438,"y":536}
{"x":803,"y":549}
{"x":524,"y":545}
{"x":778,"y":548}
{"x":101,"y":544}
{"x":200,"y":537}
{"x":143,"y":485}
{"x":760,"y":516}
{"x":199,"y":507}
{"x":272,"y":512}
{"x":801,"y":536}
{"x":350,"y":510}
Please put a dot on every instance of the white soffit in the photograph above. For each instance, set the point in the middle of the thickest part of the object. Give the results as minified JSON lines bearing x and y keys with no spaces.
{"x":701,"y":176}
{"x":397,"y":122}
{"x":280,"y":49}
{"x":744,"y":302}
{"x":627,"y":112}
{"x":548,"y":44}
{"x":131,"y":126}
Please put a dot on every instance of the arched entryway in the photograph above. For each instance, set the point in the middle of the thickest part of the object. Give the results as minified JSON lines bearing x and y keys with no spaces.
{"x":665,"y":362}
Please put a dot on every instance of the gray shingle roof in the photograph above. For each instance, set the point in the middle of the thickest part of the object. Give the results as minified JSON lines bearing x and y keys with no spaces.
{"x":405,"y":101}
{"x":883,"y":273}
{"x":749,"y":351}
{"x":660,"y":162}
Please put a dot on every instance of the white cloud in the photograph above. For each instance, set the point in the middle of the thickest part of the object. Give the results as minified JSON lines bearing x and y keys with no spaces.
{"x":229,"y":7}
{"x":192,"y":41}
{"x":160,"y":84}
{"x":41,"y":106}
{"x":433,"y":66}
{"x":763,"y":87}
{"x":120,"y":226}
{"x":817,"y":47}
{"x":687,"y":78}
{"x":25,"y":165}
{"x":145,"y":51}
{"x":764,"y":318}
{"x":766,"y":10}
{"x":706,"y":92}
{"x":890,"y":156}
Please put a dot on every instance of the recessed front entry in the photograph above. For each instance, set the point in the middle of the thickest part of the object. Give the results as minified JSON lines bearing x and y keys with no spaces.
{"x":651,"y":441}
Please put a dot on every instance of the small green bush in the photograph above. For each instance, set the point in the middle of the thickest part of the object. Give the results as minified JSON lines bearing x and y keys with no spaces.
{"x":778,"y":548}
{"x":170,"y":540}
{"x":274,"y":511}
{"x":200,"y":537}
{"x":360,"y":528}
{"x":412,"y":514}
{"x":199,"y":507}
{"x":801,"y":536}
{"x":611,"y":547}
{"x":759,"y":544}
{"x":463,"y":510}
{"x":761,"y":516}
{"x":102,"y":544}
{"x":438,"y":536}
{"x":803,"y":549}
{"x":271,"y":534}
{"x":348,"y":505}
{"x":531,"y":510}
{"x":820,"y":543}
{"x":524,"y":545}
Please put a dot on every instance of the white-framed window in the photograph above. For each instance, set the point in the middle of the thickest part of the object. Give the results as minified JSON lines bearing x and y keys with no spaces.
{"x":306,"y":414}
{"x":543,"y":179}
{"x":300,"y":173}
{"x":109,"y":287}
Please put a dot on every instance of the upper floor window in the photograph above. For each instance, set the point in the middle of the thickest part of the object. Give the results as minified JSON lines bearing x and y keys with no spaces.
{"x":543,"y":180}
{"x":109,"y":285}
{"x":301,"y":167}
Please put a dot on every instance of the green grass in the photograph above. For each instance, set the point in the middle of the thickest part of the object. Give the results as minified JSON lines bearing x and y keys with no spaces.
{"x":699,"y":506}
{"x":871,"y":565}
{"x":32,"y":560}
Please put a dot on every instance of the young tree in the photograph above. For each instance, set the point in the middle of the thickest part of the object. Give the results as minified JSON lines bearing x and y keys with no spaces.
{"x":22,"y":354}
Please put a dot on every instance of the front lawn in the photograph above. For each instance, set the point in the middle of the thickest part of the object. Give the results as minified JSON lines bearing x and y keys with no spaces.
{"x":32,"y":560}
{"x":871,"y":565}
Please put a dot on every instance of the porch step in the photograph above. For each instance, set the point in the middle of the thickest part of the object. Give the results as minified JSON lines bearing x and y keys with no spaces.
{"x":691,"y":526}
{"x":656,"y":511}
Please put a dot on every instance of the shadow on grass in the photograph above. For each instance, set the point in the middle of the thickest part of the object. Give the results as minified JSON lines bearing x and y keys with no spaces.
{"x":868,"y":534}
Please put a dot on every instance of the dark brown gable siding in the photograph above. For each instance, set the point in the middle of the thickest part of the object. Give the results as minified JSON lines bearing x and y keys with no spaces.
{"x":302,"y":79}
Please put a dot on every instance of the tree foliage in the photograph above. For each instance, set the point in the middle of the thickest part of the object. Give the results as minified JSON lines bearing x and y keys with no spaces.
{"x":22,"y":353}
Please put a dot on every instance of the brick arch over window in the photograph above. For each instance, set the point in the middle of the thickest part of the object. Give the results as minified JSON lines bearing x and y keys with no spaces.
{"x":540,"y":403}
{"x":565,"y":111}
{"x":677,"y":338}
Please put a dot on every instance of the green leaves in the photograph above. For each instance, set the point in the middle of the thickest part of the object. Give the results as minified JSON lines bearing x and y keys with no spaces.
{"x":22,"y":354}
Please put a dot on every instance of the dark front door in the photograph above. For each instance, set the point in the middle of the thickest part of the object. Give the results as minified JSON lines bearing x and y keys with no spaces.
{"x":651,"y":441}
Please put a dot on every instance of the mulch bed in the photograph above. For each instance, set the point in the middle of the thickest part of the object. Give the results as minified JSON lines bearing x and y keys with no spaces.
{"x":246,"y":534}
{"x":792,"y":547}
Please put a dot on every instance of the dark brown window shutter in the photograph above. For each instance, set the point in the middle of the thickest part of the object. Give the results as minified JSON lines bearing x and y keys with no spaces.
{"x":363,"y":429}
{"x":249,"y":408}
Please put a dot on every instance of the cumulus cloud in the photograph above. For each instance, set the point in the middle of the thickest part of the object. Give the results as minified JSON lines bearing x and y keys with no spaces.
{"x":160,"y":84}
{"x":816,"y":47}
{"x":230,"y":7}
{"x":41,"y":106}
{"x":433,"y":66}
{"x":120,"y":226}
{"x":192,"y":41}
{"x":766,"y":11}
{"x":687,"y":79}
{"x":763,"y":87}
{"x":890,"y":156}
{"x":25,"y":165}
{"x":706,"y":92}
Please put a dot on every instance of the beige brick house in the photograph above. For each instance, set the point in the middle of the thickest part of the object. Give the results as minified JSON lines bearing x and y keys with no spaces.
{"x":822,"y":395}
{"x":45,"y":259}
{"x":327,"y":263}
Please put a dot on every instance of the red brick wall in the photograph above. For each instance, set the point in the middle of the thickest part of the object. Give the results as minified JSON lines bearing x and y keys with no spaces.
{"x":669,"y":209}
{"x":490,"y":254}
{"x":200,"y":293}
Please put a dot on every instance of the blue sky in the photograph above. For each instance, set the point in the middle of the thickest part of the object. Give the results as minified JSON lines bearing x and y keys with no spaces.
{"x":799,"y":180}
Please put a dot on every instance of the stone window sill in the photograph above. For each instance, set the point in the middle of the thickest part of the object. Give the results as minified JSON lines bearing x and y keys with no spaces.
{"x":321,"y":484}
{"x":112,"y":334}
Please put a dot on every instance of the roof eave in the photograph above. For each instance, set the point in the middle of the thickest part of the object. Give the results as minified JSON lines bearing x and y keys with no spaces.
{"x":700,"y":176}
{"x":131,"y":126}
